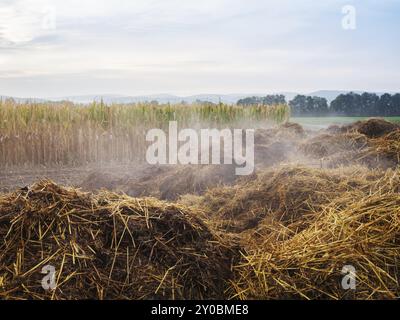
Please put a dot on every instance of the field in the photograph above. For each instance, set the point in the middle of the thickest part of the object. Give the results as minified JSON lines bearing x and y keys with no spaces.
{"x":63,"y":134}
{"x":77,"y":195}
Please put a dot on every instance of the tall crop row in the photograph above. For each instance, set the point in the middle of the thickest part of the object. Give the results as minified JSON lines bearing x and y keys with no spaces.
{"x":64,"y":133}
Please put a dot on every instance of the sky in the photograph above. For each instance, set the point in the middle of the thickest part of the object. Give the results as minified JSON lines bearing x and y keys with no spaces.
{"x":55,"y":48}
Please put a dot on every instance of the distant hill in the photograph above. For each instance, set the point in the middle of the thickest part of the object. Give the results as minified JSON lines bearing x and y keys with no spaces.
{"x":168,"y":98}
{"x":161,"y":98}
{"x":165,"y":98}
{"x":22,"y":100}
{"x":215,"y":98}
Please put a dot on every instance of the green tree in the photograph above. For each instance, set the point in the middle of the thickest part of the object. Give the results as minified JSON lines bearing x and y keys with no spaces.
{"x":395,"y":105}
{"x":384,"y":107}
{"x":298,"y":105}
{"x":308,"y":106}
{"x":274,"y":99}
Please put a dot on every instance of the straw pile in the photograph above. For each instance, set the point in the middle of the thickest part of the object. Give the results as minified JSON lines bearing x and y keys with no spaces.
{"x":382,"y":152}
{"x":354,"y":229}
{"x":299,"y":227}
{"x":374,"y":143}
{"x":372,"y":128}
{"x":385,"y":149}
{"x":325,"y":145}
{"x":284,"y":194}
{"x":291,"y":129}
{"x":106,"y":247}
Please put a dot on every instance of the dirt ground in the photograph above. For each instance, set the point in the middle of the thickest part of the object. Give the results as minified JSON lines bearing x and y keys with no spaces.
{"x":11,"y":179}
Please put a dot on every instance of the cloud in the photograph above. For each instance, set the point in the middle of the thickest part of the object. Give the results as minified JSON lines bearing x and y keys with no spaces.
{"x":22,"y":21}
{"x":131,"y":47}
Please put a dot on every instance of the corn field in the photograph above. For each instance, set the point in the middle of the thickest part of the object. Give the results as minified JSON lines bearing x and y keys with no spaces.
{"x":54,"y":134}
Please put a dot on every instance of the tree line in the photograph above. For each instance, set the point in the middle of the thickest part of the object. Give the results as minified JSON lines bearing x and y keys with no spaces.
{"x":349,"y":104}
{"x":273,"y":99}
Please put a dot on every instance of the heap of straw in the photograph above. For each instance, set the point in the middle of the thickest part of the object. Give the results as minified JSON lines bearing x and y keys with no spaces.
{"x":372,"y":128}
{"x":284,"y":194}
{"x":382,"y":152}
{"x":385,"y":149}
{"x":374,"y":143}
{"x":106,"y":247}
{"x":325,"y":145}
{"x":358,"y":233}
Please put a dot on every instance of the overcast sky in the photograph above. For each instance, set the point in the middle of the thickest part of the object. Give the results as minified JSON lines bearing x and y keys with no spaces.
{"x":75,"y":47}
